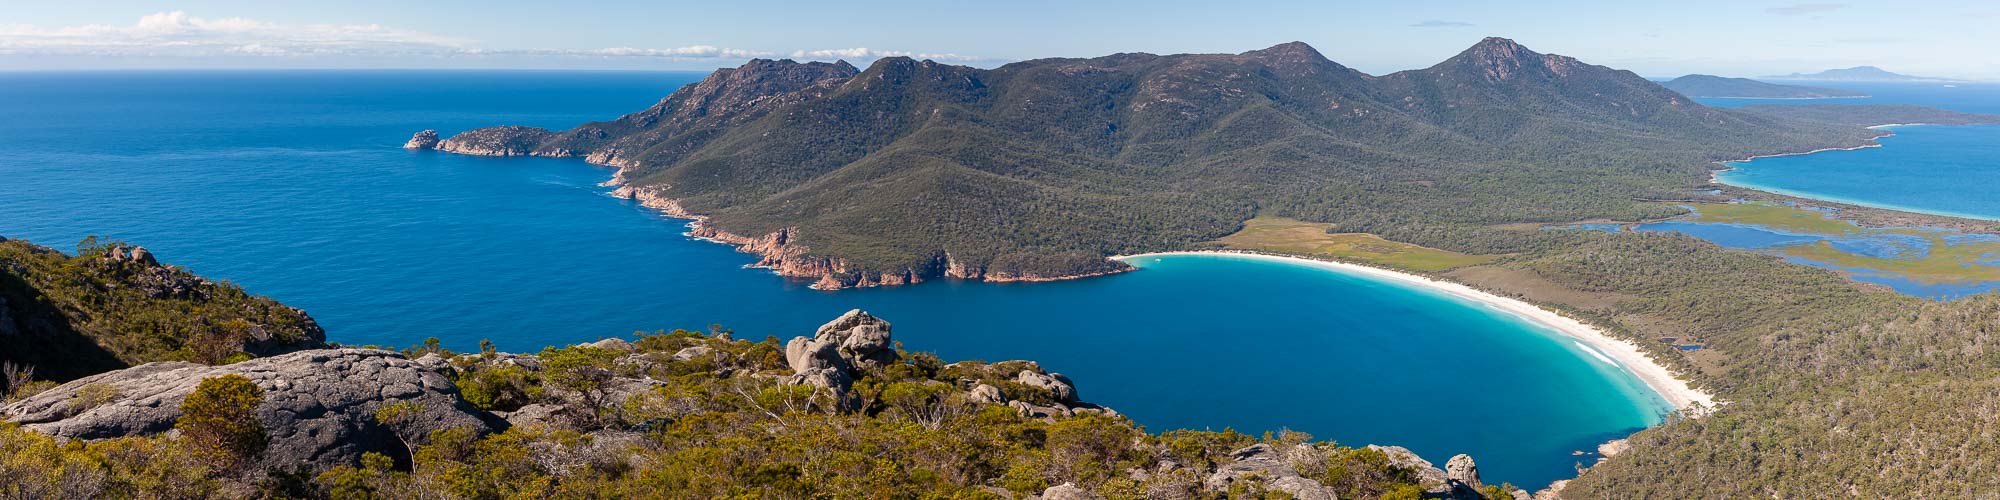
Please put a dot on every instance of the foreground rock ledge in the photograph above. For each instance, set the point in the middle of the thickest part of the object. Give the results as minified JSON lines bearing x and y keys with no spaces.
{"x":318,"y":408}
{"x":319,"y":405}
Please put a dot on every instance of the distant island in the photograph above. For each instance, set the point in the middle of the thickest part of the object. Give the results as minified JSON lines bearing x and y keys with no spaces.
{"x":1859,"y":74}
{"x":1723,"y":87}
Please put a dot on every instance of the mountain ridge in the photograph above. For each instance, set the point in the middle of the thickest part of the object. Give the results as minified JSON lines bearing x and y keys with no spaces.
{"x":1860,"y":74}
{"x":1722,"y":87}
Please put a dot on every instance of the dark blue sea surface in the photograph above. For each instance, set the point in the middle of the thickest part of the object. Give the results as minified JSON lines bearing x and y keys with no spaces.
{"x":294,"y":185}
{"x":1943,"y":170}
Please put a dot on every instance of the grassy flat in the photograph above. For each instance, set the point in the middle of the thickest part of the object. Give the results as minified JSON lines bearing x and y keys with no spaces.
{"x":1774,"y":216}
{"x":1278,"y":234}
{"x":1945,"y":264}
{"x":1947,"y":261}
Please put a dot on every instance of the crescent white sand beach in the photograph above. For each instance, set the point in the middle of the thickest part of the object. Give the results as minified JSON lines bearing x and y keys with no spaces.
{"x":1622,"y":353}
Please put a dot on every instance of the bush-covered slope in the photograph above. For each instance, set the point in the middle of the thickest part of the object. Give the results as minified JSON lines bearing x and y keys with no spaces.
{"x":112,"y":305}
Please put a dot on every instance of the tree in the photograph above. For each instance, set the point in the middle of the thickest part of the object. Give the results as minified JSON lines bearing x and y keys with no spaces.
{"x":220,"y":418}
{"x":583,"y":370}
{"x":396,"y":416}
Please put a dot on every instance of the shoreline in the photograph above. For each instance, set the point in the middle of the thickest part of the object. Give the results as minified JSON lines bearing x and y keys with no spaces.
{"x":1888,"y":125}
{"x":1624,"y":354}
{"x":1715,"y":177}
{"x":1781,"y":98}
{"x":778,"y":253}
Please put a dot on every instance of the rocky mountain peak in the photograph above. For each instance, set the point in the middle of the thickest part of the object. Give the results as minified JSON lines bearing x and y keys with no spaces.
{"x":786,"y":69}
{"x":1497,"y":59}
{"x":894,"y":62}
{"x":1498,"y":55}
{"x":1289,"y":52}
{"x":1500,"y":44}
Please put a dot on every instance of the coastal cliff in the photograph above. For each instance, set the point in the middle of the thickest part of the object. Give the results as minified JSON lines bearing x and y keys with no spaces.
{"x":779,"y":252}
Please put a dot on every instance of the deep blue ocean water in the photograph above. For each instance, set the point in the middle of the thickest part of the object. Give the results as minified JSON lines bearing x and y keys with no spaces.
{"x":1925,"y":168}
{"x":294,"y":185}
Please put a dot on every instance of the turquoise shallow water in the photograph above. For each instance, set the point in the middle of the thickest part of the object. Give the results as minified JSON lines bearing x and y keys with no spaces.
{"x":294,"y":185}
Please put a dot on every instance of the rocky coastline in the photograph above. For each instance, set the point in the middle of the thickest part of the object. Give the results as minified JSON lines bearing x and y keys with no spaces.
{"x":779,"y":252}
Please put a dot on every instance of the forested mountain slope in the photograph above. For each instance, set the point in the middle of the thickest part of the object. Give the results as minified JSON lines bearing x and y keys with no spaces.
{"x":911,"y":170}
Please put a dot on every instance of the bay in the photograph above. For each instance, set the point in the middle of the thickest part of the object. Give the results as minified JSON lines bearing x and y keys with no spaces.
{"x":294,"y":185}
{"x":1941,"y":170}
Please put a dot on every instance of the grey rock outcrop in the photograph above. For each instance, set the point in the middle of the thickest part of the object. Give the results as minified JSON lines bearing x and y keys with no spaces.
{"x":423,"y":140}
{"x":612,"y":344}
{"x":533,"y":415}
{"x":1067,"y":491}
{"x":318,"y":410}
{"x":1261,"y":462}
{"x":1031,"y":410}
{"x":984,"y":393}
{"x":856,"y":339}
{"x":142,"y":257}
{"x":433,"y":362}
{"x":1462,"y":472}
{"x":692,"y":353}
{"x":1432,"y":478}
{"x":839,"y":351}
{"x":135,"y":254}
{"x":1064,"y":390}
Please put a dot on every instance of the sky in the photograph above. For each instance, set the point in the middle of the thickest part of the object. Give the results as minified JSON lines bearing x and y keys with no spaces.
{"x":1939,"y":38}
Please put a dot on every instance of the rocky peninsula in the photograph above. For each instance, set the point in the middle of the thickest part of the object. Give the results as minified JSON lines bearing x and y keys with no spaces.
{"x":910,"y":170}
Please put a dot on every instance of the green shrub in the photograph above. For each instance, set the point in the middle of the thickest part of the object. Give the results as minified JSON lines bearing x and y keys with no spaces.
{"x":220,"y":418}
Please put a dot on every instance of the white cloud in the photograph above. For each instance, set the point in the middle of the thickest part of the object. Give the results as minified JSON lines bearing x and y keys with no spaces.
{"x":1805,"y":9}
{"x":177,"y":34}
{"x":866,"y":54}
{"x":180,"y":35}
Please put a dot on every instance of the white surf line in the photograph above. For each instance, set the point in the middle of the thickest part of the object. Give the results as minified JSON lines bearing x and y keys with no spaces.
{"x":1619,"y":352}
{"x":1593,"y":352}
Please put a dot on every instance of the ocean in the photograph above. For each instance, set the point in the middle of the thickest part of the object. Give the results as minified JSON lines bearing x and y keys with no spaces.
{"x":1924,"y":168}
{"x":294,"y":185}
